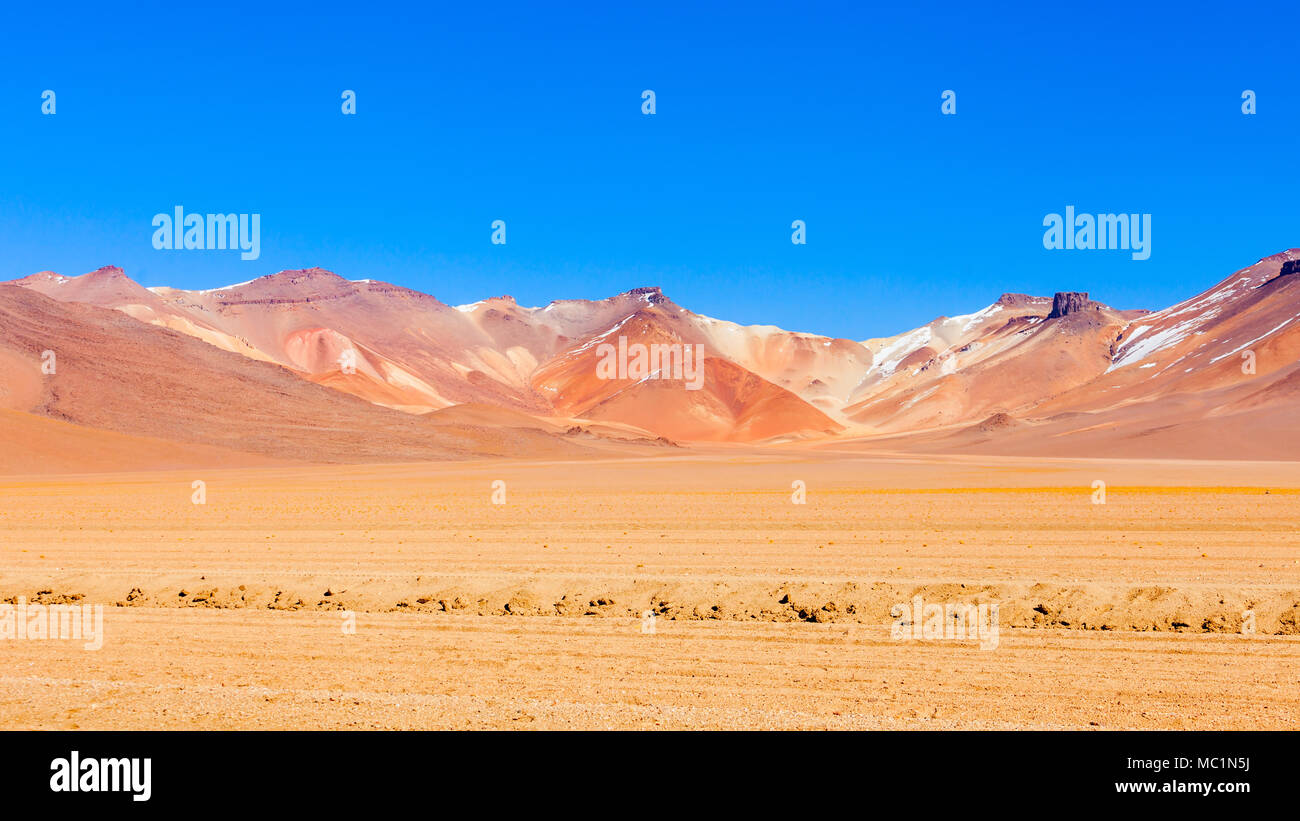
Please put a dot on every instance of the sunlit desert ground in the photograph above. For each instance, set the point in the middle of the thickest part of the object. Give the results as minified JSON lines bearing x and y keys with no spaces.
{"x":768,"y":614}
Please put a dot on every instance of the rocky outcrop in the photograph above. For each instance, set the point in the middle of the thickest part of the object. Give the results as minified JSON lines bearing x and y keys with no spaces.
{"x":1065,"y":303}
{"x":1291,"y":266}
{"x":651,"y":293}
{"x":998,"y":421}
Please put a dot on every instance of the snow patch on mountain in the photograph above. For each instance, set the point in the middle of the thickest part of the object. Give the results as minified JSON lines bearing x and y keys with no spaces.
{"x":896,"y":351}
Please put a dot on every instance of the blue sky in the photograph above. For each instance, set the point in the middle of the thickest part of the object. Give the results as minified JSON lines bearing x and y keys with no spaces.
{"x":829,"y":113}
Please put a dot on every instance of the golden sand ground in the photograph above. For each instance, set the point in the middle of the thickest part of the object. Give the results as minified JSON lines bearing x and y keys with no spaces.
{"x":772,"y":614}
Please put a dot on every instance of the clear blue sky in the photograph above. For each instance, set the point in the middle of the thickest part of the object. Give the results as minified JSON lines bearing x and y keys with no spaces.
{"x":828,"y":113}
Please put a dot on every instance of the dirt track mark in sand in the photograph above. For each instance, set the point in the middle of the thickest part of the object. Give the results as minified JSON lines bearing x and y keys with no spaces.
{"x":1188,"y":610}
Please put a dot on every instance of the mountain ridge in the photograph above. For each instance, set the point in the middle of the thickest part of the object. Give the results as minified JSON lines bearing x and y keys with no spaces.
{"x":1021,"y":360}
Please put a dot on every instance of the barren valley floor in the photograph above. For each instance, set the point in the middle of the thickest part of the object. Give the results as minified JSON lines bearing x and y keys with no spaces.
{"x":769,"y":614}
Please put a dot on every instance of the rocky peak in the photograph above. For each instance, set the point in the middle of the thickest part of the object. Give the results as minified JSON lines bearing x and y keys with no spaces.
{"x":651,"y":293}
{"x":107,"y":272}
{"x":1065,"y":303}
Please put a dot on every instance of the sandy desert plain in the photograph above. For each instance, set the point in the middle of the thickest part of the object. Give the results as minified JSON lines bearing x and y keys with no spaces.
{"x":770,"y":614}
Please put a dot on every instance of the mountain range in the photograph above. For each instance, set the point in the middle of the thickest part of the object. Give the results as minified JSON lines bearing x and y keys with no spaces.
{"x":305,"y":365}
